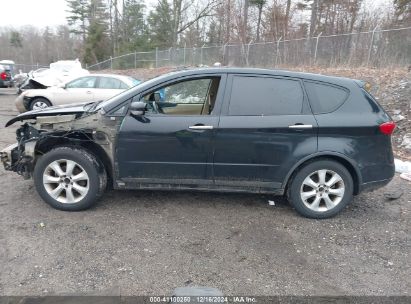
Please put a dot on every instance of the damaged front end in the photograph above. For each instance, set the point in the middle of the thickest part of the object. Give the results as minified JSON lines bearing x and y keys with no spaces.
{"x":20,"y":156}
{"x":42,"y":131}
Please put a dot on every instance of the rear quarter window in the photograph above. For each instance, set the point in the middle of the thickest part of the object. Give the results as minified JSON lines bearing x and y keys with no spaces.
{"x":254,"y":96}
{"x":325,"y":98}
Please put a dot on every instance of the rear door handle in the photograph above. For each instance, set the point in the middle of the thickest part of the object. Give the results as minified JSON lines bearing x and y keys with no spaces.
{"x":300,"y":126}
{"x":88,"y":92}
{"x":200,"y":127}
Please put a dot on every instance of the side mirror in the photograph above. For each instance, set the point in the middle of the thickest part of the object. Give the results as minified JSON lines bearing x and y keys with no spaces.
{"x":61,"y":85}
{"x":137,"y":108}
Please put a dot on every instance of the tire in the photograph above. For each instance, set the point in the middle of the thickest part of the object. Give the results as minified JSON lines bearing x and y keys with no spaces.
{"x":312,"y":197}
{"x":68,"y":189}
{"x":39,"y":103}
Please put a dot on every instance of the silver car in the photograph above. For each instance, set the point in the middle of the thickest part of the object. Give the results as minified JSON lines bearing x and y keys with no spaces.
{"x":90,"y":88}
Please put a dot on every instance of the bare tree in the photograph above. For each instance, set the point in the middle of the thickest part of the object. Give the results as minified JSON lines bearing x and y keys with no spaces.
{"x":313,"y":19}
{"x":287,"y":18}
{"x":245,"y":20}
{"x":183,"y":19}
{"x":259,"y":4}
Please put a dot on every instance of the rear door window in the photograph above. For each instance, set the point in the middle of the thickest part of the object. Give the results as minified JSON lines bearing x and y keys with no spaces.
{"x":265,"y":96}
{"x":111,"y":83}
{"x":325,"y":98}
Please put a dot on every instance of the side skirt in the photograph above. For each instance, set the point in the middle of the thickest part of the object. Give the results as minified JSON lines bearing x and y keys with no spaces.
{"x":203,"y":186}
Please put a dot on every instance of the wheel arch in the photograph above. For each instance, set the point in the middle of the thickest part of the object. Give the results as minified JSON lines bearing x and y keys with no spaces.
{"x":48,"y":143}
{"x":348,"y":163}
{"x":32,"y":98}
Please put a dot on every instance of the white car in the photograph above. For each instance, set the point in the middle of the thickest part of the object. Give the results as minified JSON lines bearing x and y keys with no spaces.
{"x":58,"y":73}
{"x":94,"y":87}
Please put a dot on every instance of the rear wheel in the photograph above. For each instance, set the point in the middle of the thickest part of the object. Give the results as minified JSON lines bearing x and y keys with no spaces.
{"x":321,"y":189}
{"x":39,"y":103}
{"x":69,"y":179}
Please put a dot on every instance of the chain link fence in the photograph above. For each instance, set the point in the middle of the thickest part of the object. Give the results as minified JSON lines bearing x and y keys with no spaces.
{"x":375,"y":48}
{"x":25,"y":68}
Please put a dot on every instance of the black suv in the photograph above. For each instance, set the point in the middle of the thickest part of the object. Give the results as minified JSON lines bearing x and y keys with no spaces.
{"x":318,"y":140}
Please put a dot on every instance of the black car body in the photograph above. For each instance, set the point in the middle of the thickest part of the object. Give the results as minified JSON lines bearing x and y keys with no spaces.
{"x":220,"y":129}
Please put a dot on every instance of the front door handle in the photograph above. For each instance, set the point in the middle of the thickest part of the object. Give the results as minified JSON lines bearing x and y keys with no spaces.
{"x":200,"y":127}
{"x":300,"y":126}
{"x":88,"y":92}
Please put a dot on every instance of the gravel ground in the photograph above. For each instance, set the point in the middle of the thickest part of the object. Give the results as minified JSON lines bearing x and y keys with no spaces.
{"x":148,"y":243}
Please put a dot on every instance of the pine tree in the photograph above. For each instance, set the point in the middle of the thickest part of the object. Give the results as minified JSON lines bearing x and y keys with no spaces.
{"x":97,"y":42}
{"x":161,"y":25}
{"x":16,"y":40}
{"x":135,"y":33}
{"x":403,"y":11}
{"x":78,"y":18}
{"x":47,"y":40}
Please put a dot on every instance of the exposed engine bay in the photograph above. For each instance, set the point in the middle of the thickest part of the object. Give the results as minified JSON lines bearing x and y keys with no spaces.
{"x":38,"y":135}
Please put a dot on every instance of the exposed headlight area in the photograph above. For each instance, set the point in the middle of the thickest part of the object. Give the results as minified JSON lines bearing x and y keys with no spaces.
{"x":26,"y":101}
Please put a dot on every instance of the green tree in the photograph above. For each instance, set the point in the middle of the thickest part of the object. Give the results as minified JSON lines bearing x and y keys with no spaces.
{"x":161,"y":25}
{"x":135,"y":32}
{"x":47,"y":40}
{"x":403,"y":11}
{"x":97,"y":44}
{"x":78,"y":16}
{"x":16,"y":40}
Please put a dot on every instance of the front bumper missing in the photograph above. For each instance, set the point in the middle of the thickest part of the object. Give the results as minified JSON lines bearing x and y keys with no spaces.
{"x":19,"y":161}
{"x":6,"y":156}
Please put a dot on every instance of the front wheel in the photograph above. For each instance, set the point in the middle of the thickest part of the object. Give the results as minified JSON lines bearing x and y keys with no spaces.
{"x":39,"y":103}
{"x":69,"y":179}
{"x":321,"y":189}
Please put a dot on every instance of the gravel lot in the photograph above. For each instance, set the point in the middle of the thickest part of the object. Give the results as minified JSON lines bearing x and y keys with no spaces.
{"x":148,"y":243}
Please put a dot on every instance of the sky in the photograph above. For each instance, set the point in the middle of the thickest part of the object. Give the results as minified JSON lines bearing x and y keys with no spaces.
{"x":41,"y":13}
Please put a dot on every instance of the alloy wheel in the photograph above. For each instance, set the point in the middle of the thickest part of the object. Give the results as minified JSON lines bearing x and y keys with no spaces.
{"x":322,"y":190}
{"x":66,"y":181}
{"x":39,"y":105}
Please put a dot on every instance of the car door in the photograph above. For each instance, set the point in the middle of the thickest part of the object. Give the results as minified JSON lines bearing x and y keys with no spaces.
{"x":76,"y":91}
{"x":265,"y":128}
{"x":108,"y":87}
{"x":171,"y":143}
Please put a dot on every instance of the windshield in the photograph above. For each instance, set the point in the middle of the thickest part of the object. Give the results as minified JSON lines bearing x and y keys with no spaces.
{"x":116,"y":97}
{"x":127,"y":92}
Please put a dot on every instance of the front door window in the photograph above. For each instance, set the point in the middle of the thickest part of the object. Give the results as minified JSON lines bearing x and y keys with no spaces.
{"x":192,"y":97}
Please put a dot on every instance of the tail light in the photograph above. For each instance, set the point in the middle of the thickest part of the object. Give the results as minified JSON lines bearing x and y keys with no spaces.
{"x":387,"y":128}
{"x":3,"y":76}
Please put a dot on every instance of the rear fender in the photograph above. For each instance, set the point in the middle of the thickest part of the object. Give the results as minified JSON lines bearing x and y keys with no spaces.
{"x":353,"y":167}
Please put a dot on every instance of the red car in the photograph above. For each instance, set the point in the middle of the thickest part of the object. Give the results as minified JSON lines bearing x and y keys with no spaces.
{"x":5,"y":77}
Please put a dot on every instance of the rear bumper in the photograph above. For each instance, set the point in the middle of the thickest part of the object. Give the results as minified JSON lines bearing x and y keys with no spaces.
{"x":366,"y":187}
{"x":5,"y":83}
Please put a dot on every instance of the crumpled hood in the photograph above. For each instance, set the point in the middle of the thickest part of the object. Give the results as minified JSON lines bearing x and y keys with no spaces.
{"x":77,"y":108}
